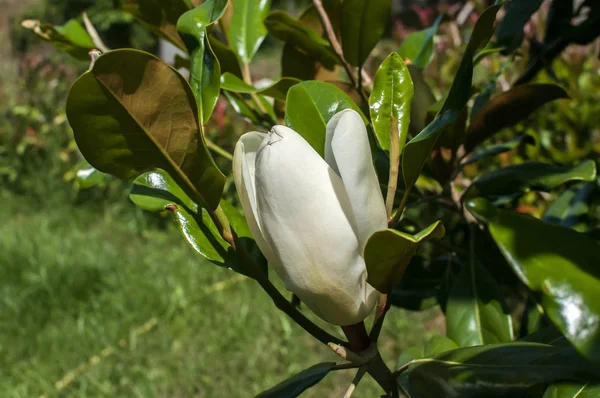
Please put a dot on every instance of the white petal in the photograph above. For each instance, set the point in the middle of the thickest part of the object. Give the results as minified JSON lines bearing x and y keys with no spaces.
{"x":244,"y":158}
{"x":348,"y":152}
{"x":303,"y":208}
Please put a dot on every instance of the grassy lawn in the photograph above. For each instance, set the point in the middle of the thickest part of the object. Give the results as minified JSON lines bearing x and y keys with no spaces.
{"x":104,"y":303}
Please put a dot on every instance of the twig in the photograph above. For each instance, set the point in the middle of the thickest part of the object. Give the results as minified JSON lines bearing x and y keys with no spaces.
{"x":359,"y":375}
{"x":394,"y":220}
{"x":94,"y":34}
{"x":394,"y":166}
{"x":248,"y":80}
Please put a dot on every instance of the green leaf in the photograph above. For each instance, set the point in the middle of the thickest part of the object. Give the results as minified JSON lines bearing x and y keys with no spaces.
{"x":494,"y":370}
{"x":282,"y":26}
{"x":423,"y":100}
{"x":573,"y":390}
{"x":390,"y":101}
{"x":555,"y":262}
{"x":363,"y":24}
{"x":418,"y":149}
{"x":475,"y":313}
{"x":497,"y":149}
{"x":410,"y":354}
{"x":510,"y":32}
{"x":310,"y":105}
{"x":418,"y":46}
{"x":133,"y":112}
{"x":420,"y":286}
{"x":227,"y":59}
{"x":89,"y":177}
{"x":247,"y":30}
{"x":277,"y":90}
{"x":71,"y":38}
{"x":160,"y":16}
{"x":300,"y":382}
{"x":509,"y":108}
{"x":521,"y":178}
{"x":572,"y":208}
{"x":241,"y":107}
{"x":205,"y":70}
{"x":388,"y":253}
{"x":435,"y":345}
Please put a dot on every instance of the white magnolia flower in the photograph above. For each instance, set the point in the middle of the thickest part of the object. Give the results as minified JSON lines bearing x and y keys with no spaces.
{"x":312,"y":217}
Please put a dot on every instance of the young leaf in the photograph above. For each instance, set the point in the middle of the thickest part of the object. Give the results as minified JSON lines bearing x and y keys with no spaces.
{"x":494,"y":370}
{"x":475,"y":313}
{"x":390,"y":101}
{"x":300,"y":382}
{"x":555,"y":262}
{"x":70,"y":38}
{"x":509,"y":108}
{"x":277,"y":90}
{"x":388,"y":253}
{"x":362,"y":26}
{"x":418,"y":149}
{"x":205,"y":70}
{"x":309,"y":106}
{"x":572,"y":208}
{"x":247,"y":30}
{"x":282,"y":26}
{"x":160,"y":16}
{"x":133,"y":112}
{"x":418,"y":46}
{"x":521,"y":178}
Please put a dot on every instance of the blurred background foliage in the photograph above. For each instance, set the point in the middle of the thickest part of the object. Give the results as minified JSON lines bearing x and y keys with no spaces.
{"x":72,"y":285}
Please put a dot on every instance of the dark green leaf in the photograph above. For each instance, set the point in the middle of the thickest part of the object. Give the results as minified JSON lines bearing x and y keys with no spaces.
{"x":573,"y":390}
{"x":300,"y":382}
{"x":557,"y":263}
{"x":418,"y":149}
{"x":509,"y":108}
{"x":420,"y":286}
{"x":300,"y":37}
{"x":390,"y":101}
{"x":388,"y":253}
{"x":227,"y":59}
{"x":160,"y":16}
{"x":70,"y":38}
{"x":362,"y":26}
{"x":205,"y":70}
{"x":133,"y":112}
{"x":418,"y":46}
{"x":488,"y":89}
{"x":494,"y":370}
{"x":510,"y":32}
{"x":475,"y":313}
{"x":247,"y":30}
{"x":521,"y":178}
{"x":277,"y":90}
{"x":572,"y":208}
{"x":310,"y":105}
{"x":499,"y":148}
{"x":422,"y":101}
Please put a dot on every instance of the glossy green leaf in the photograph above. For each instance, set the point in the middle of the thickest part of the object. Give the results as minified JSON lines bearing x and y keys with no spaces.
{"x":390,"y":101}
{"x":509,"y":108}
{"x":418,"y":149}
{"x":247,"y":30}
{"x":573,"y":390}
{"x":557,"y":263}
{"x":418,"y":46}
{"x":475,"y":313}
{"x":363,"y":23}
{"x":494,"y":370}
{"x":410,"y":354}
{"x":521,"y":178}
{"x":241,"y":107}
{"x":282,"y":26}
{"x":388,"y":253}
{"x":156,"y":191}
{"x":572,"y":208}
{"x":160,"y":16}
{"x":277,"y":90}
{"x":71,"y":38}
{"x":510,"y":32}
{"x":300,"y":382}
{"x":310,"y":105}
{"x":497,"y":149}
{"x":133,"y":112}
{"x":228,"y":61}
{"x":205,"y":71}
{"x":434,"y":346}
{"x":89,"y":177}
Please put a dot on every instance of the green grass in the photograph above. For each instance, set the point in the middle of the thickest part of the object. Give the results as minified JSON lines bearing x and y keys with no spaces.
{"x":103,"y":303}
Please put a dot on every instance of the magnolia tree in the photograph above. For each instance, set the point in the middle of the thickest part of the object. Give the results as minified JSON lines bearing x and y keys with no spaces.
{"x":364,"y":192}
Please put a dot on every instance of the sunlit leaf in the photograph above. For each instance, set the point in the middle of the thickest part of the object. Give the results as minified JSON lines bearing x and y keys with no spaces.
{"x":247,"y":30}
{"x":70,"y":38}
{"x":277,"y":90}
{"x":572,"y":208}
{"x":418,"y":46}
